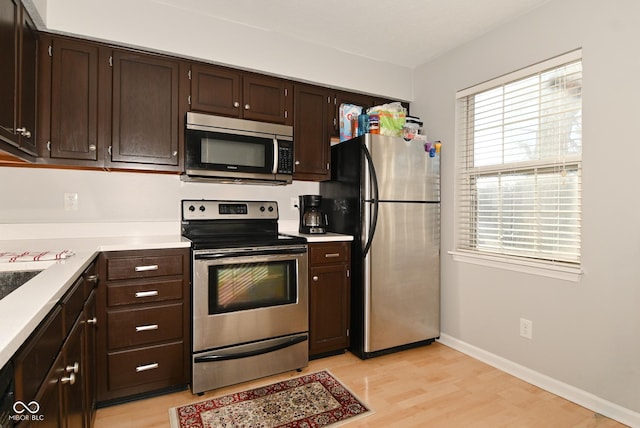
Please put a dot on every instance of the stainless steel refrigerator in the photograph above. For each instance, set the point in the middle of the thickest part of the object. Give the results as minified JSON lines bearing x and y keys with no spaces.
{"x":385,"y":191}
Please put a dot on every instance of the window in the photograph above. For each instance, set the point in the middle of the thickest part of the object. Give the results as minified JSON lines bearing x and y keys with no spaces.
{"x":520,"y":164}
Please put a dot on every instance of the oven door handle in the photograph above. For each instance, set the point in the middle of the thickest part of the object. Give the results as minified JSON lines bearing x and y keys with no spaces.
{"x":244,"y":253}
{"x":223,"y":356}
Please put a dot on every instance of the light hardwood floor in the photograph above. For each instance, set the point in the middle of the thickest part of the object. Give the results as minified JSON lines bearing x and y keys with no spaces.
{"x":432,"y":386}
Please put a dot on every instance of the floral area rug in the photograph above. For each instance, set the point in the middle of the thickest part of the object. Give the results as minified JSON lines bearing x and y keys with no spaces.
{"x":313,"y":400}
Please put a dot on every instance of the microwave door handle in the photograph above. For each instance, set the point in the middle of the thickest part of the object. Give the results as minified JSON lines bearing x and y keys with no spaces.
{"x":275,"y":156}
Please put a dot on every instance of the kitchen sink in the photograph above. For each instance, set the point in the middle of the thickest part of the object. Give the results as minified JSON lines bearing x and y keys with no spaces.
{"x":9,"y":281}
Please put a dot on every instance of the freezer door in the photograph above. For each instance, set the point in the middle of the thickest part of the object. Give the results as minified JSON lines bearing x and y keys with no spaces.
{"x":404,"y":169}
{"x":402,"y":276}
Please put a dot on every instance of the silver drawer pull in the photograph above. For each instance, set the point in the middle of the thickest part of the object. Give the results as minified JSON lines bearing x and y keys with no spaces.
{"x":75,"y":368}
{"x":147,"y":367}
{"x":149,"y":293}
{"x":147,"y":327}
{"x":71,"y":379}
{"x":146,"y":268}
{"x":328,"y":255}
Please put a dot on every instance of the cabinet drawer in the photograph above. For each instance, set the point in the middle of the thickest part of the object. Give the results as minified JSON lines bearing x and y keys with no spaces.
{"x":144,"y":267}
{"x":143,"y":326}
{"x":331,"y":252}
{"x":162,"y":365}
{"x":72,"y":305}
{"x":133,"y":293}
{"x":90,"y":280}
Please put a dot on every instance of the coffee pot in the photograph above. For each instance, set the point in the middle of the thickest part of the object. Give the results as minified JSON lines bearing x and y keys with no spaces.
{"x":312,"y":219}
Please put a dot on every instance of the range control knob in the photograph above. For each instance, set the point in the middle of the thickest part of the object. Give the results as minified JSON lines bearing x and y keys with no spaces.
{"x":192,"y":208}
{"x":262,"y":208}
{"x":202,"y":208}
{"x":270,"y":209}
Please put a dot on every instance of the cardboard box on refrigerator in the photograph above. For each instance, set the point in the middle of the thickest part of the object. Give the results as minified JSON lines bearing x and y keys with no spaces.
{"x":348,"y":112}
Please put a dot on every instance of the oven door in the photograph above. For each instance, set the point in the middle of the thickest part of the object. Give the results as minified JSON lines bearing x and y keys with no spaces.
{"x":245,"y":295}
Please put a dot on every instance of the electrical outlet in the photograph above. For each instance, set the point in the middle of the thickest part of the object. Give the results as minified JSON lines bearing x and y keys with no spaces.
{"x":294,"y":203}
{"x":526,"y":328}
{"x":71,"y":202}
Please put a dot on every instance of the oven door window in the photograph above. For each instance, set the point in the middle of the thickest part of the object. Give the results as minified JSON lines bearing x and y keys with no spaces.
{"x":237,"y":287}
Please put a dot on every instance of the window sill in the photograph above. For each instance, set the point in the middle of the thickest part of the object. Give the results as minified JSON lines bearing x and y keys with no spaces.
{"x":548,"y":269}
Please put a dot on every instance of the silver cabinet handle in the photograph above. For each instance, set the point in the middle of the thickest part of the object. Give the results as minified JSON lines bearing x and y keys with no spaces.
{"x":93,"y":321}
{"x":329,"y":255}
{"x":236,"y":104}
{"x":70,"y":380}
{"x":92,"y":278}
{"x":92,"y":147}
{"x":146,"y":367}
{"x":146,"y":327}
{"x":75,"y":368}
{"x":149,"y":293}
{"x":146,"y":268}
{"x":315,"y":277}
{"x":297,"y":162}
{"x":247,"y":106}
{"x":24,"y":132}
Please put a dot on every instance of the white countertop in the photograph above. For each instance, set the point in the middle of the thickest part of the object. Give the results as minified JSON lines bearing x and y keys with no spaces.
{"x":22,"y":310}
{"x":324,"y":237}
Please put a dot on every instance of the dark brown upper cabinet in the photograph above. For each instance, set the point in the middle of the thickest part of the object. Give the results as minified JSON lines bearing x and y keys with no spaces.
{"x":145,"y":124}
{"x":68,"y":98}
{"x":228,"y":92}
{"x":18,"y":68}
{"x":105,"y":107}
{"x":313,"y":114}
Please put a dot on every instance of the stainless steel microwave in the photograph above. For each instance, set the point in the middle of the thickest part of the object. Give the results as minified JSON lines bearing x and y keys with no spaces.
{"x":230,"y":150}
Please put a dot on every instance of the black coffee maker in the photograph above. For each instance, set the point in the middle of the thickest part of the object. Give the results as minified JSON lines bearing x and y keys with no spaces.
{"x":312,"y":220}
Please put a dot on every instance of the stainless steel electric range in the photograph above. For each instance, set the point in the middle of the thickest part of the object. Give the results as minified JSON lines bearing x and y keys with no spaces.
{"x":249,"y":293}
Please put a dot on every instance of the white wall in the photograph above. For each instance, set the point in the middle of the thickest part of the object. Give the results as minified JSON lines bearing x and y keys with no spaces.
{"x":585,"y":334}
{"x":155,"y":25}
{"x":36,"y":195}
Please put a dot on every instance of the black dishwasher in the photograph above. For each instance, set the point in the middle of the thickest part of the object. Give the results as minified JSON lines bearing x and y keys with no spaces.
{"x":7,"y":398}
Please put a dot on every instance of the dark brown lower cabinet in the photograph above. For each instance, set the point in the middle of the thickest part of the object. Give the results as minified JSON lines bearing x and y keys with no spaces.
{"x":72,"y":383}
{"x":144,"y":345}
{"x":54,"y":366}
{"x":329,"y":293}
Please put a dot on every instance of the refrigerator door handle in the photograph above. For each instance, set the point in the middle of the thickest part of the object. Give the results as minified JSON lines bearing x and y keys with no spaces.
{"x":374,"y":199}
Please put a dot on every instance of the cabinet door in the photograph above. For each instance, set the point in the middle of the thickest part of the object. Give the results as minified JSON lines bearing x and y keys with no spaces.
{"x":73,"y":378}
{"x":145,"y":122}
{"x":49,"y":399}
{"x":28,"y":76}
{"x":329,"y":308}
{"x":312,"y":146}
{"x":72,"y":106}
{"x":9,"y":15}
{"x":18,"y":44}
{"x":215,"y":90}
{"x":267,"y":99}
{"x":89,"y":359}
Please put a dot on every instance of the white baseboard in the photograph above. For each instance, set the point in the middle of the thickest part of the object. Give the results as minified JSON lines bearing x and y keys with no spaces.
{"x":571,"y":393}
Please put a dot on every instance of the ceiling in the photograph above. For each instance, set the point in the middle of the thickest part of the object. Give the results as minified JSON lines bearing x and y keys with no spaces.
{"x":402,"y":32}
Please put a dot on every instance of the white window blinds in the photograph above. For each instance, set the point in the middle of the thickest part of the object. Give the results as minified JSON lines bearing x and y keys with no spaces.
{"x":520,"y":163}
